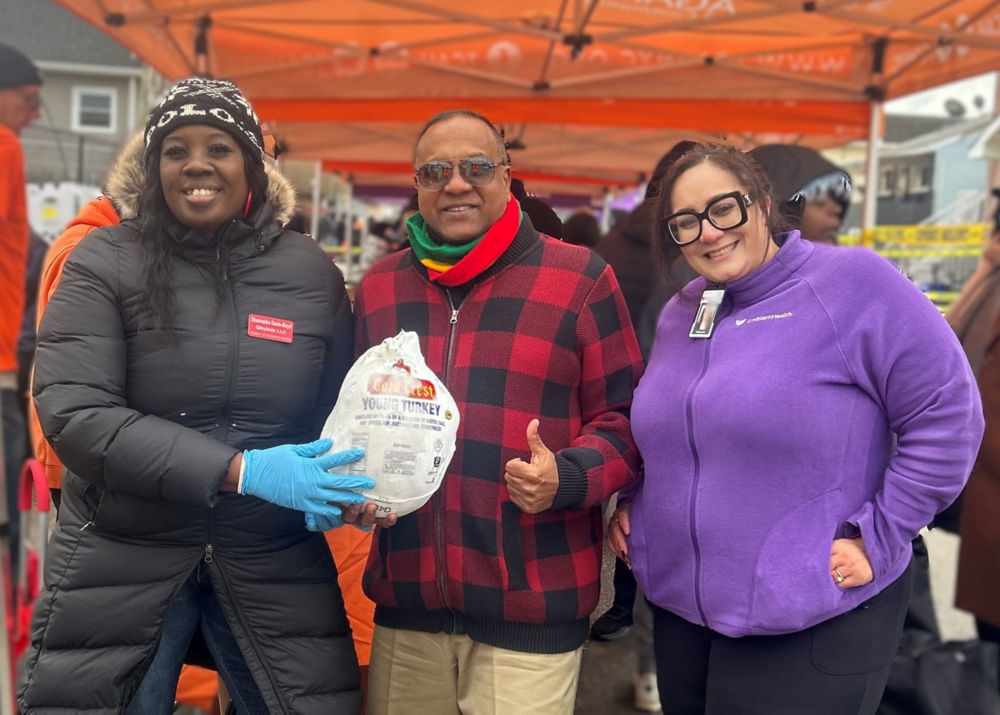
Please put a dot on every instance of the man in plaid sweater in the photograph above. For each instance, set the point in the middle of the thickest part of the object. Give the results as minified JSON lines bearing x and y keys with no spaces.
{"x":483,"y":595}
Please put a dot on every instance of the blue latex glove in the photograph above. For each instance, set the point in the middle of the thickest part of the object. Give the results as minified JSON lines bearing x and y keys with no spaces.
{"x":295,"y":476}
{"x":318,"y":522}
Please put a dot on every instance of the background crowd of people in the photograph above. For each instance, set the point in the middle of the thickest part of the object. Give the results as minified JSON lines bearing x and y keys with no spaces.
{"x":769,"y":418}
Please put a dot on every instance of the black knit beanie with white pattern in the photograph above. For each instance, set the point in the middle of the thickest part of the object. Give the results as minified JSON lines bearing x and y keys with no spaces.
{"x":216,"y":102}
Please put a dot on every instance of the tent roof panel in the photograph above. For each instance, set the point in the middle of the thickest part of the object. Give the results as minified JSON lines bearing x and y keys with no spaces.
{"x":740,"y":69}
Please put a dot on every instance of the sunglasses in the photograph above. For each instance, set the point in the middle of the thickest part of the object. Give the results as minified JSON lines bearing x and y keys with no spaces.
{"x":475,"y":171}
{"x":724,"y":212}
{"x":836,"y":185}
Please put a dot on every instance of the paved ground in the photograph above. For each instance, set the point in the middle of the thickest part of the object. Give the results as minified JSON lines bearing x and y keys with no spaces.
{"x":606,"y":674}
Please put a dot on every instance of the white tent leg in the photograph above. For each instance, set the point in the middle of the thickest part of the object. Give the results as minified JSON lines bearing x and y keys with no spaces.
{"x":349,"y":234}
{"x":868,"y":218}
{"x":992,"y":166}
{"x":609,"y":195}
{"x":316,"y":182}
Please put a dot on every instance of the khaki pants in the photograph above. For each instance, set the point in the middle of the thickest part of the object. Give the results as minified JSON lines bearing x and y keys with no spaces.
{"x":441,"y":674}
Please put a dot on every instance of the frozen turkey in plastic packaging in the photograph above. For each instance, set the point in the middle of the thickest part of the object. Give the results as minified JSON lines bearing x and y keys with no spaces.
{"x":394,"y":407}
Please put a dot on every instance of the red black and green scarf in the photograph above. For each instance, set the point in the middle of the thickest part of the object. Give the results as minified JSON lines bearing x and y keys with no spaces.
{"x":454,"y":264}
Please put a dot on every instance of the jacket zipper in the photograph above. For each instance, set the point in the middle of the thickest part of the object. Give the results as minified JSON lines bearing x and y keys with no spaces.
{"x":438,"y":498}
{"x":209,"y":537}
{"x":93,"y":514}
{"x":209,"y":556}
{"x":451,"y":334}
{"x":220,"y":580}
{"x":693,"y":505}
{"x":234,"y":352}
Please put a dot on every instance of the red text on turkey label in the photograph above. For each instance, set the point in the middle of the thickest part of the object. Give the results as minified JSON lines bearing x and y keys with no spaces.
{"x":277,"y":329}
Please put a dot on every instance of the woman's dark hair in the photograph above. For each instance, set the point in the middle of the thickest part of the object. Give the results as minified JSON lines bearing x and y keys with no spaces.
{"x":155,"y":221}
{"x":663,"y":166}
{"x":741,"y":165}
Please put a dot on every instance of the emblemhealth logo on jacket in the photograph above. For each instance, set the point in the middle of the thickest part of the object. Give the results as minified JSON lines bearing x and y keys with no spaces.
{"x":769,"y":316}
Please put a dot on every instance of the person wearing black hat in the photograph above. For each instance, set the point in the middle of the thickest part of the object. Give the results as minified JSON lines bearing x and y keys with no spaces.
{"x":19,"y":103}
{"x":186,"y":363}
{"x":814,"y":192}
{"x":20,"y":90}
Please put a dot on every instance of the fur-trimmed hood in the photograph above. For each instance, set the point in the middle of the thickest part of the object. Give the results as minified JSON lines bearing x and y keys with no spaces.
{"x":127,"y":176}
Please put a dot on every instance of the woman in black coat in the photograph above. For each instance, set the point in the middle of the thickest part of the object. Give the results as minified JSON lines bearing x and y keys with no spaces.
{"x":185,"y":364}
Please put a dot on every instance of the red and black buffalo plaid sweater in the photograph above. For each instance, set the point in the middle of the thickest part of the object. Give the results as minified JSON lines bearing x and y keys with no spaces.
{"x":544,"y":333}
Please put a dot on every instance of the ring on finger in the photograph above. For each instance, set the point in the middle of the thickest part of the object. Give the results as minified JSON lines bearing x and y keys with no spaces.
{"x":839,"y":576}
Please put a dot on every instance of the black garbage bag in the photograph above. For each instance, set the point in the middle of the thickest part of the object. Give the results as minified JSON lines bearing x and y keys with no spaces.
{"x":930,"y":677}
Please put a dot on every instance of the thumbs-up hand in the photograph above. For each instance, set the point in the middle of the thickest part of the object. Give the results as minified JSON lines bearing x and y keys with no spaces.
{"x":533,"y":485}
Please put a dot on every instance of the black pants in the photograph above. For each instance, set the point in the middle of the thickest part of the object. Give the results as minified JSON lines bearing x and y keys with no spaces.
{"x":838,"y":667}
{"x":625,"y":586}
{"x":989,"y":633}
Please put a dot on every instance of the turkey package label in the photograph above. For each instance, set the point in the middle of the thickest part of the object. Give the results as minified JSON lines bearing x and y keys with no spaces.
{"x":395,"y":408}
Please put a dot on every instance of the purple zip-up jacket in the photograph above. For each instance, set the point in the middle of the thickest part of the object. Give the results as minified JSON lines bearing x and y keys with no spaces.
{"x":775,"y":436}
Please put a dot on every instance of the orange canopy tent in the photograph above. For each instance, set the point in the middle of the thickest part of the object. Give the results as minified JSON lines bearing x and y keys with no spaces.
{"x":594,"y":90}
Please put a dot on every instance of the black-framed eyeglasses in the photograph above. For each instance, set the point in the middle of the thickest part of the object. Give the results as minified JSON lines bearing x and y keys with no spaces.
{"x":475,"y":171}
{"x":724,"y":212}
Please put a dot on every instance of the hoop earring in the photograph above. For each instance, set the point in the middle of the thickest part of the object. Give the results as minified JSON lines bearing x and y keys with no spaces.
{"x":246,"y":208}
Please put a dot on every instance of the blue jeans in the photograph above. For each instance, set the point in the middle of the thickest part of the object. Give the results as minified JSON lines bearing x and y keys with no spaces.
{"x":194,"y":605}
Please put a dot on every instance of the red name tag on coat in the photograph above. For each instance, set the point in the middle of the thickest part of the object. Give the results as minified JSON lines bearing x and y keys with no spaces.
{"x":277,"y":329}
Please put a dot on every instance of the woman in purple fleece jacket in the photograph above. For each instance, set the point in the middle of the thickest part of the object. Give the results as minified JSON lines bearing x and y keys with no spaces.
{"x":805,"y":411}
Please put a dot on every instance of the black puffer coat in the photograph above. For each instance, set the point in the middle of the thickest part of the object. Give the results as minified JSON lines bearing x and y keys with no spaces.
{"x":147,"y":426}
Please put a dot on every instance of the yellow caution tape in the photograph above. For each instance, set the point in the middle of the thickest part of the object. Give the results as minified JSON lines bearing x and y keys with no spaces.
{"x":958,"y":234}
{"x":935,"y":252}
{"x":942,"y":296}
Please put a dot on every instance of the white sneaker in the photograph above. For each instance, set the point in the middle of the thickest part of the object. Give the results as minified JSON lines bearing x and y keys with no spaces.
{"x":647,"y":695}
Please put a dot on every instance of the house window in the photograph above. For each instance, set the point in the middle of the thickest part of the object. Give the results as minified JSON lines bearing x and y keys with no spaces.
{"x":920,"y":179}
{"x":95,"y":109}
{"x":886,"y":182}
{"x":902,"y":182}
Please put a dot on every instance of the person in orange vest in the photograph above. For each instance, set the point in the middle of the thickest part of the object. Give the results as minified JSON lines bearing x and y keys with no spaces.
{"x":20,"y":102}
{"x":120,"y":199}
{"x":350,"y":549}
